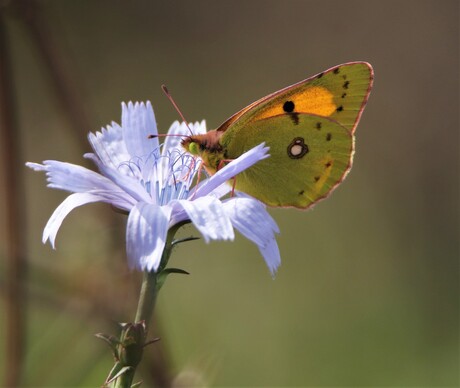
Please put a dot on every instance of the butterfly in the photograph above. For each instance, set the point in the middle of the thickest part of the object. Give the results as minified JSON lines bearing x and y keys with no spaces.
{"x":309,"y":127}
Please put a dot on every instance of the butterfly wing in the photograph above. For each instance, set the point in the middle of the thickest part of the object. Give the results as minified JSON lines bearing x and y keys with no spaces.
{"x":309,"y":128}
{"x":309,"y":156}
{"x":339,"y":93}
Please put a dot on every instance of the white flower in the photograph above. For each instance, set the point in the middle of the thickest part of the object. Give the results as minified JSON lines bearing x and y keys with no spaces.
{"x":153,"y":183}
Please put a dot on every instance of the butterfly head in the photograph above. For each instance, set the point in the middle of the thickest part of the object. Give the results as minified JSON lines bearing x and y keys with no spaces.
{"x":207,"y":147}
{"x":192,"y":145}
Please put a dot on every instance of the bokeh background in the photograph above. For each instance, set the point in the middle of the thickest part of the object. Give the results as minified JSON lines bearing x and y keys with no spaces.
{"x":367,"y":294}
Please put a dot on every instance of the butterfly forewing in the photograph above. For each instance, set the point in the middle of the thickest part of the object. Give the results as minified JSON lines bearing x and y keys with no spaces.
{"x":339,"y":93}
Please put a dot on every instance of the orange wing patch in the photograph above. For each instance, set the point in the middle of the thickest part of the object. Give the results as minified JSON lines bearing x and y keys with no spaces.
{"x":315,"y":100}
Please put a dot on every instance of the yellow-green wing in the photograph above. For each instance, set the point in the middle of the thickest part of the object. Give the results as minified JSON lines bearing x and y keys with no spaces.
{"x":309,"y":156}
{"x":339,"y":93}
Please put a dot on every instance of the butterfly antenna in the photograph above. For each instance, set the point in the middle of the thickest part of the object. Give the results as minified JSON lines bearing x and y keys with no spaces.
{"x":166,"y":92}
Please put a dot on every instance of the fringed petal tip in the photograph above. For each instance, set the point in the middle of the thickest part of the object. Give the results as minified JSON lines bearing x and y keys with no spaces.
{"x":245,"y":213}
{"x":36,"y":166}
{"x":139,"y":129}
{"x":271,"y":255}
{"x":71,"y":202}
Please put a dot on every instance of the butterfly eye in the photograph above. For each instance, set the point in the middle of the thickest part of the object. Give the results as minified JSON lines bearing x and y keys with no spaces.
{"x":194,"y":148}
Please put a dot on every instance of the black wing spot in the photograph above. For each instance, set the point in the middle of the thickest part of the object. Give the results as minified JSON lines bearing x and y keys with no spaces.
{"x":336,"y":70}
{"x":340,"y":108}
{"x":345,"y":84}
{"x":288,"y":106}
{"x":318,"y":125}
{"x":319,"y":75}
{"x":328,"y":164}
{"x":328,"y":136}
{"x":344,"y":95}
{"x":301,"y":192}
{"x":317,"y":178}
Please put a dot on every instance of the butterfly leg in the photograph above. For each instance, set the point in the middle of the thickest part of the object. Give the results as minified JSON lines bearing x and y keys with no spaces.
{"x":233,"y":186}
{"x":198,"y":179}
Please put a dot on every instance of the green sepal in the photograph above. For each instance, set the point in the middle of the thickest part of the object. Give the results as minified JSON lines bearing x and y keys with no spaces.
{"x":131,"y":343}
{"x":121,"y":371}
{"x":152,"y":341}
{"x":110,"y":340}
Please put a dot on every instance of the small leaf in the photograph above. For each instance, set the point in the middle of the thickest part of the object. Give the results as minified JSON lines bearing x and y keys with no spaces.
{"x":137,"y":385}
{"x":185,"y":239}
{"x":175,"y":270}
{"x":113,"y":372}
{"x":161,"y":278}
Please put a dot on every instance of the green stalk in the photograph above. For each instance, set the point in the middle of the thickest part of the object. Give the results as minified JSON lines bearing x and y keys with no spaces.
{"x":147,"y":298}
{"x":133,"y":336}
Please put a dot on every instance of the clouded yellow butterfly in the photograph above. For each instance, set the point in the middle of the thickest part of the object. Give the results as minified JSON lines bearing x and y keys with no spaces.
{"x":309,"y":127}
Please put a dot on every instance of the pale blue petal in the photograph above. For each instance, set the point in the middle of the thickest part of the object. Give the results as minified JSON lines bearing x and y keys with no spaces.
{"x":118,"y":199}
{"x":139,"y":129}
{"x":221,"y":190}
{"x":130,"y":185}
{"x":172,"y":141}
{"x":232,"y":169}
{"x":208,"y":216}
{"x":271,"y":254}
{"x":146,"y":234}
{"x":109,"y":146}
{"x":71,"y":177}
{"x":252,"y":220}
{"x":199,"y":127}
{"x":177,"y":131}
{"x":70,"y":203}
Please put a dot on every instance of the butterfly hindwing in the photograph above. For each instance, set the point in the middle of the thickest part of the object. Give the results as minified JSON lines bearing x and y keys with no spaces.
{"x":309,"y":159}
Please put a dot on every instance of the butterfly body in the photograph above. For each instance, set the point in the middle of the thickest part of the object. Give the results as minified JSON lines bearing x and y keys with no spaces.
{"x":309,"y":127}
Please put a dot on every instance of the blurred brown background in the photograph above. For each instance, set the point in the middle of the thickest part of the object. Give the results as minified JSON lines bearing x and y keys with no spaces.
{"x":367,"y":294}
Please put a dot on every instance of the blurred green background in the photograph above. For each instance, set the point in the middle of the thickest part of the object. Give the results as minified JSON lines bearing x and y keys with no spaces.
{"x":367,"y":294}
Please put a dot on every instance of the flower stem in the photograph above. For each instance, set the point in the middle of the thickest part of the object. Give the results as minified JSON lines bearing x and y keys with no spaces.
{"x":134,"y":335}
{"x":147,"y":297}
